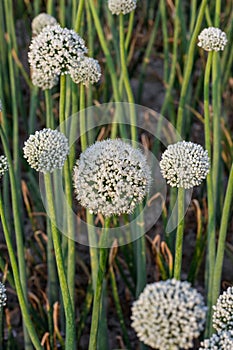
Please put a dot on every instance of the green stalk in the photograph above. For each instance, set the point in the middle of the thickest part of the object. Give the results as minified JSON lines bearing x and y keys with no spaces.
{"x":210,"y":198}
{"x":217,"y":13}
{"x":69,"y":196}
{"x":69,"y":312}
{"x":193,"y":11}
{"x":222,"y":239}
{"x":50,"y":7}
{"x":216,"y":91}
{"x":189,"y":66}
{"x":51,"y":266}
{"x":78,"y":19}
{"x":216,"y":97}
{"x":130,"y":29}
{"x":89,"y":217}
{"x":82,"y":117}
{"x":17,"y":279}
{"x":99,"y":288}
{"x":62,"y":13}
{"x":17,"y":225}
{"x":179,"y":234}
{"x":70,"y":234}
{"x":32,"y":110}
{"x":62,"y":103}
{"x":49,"y":109}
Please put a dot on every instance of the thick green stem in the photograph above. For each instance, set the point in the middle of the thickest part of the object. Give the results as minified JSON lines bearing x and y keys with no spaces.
{"x":179,"y":234}
{"x":69,"y":312}
{"x":62,"y":13}
{"x":99,"y":288}
{"x":130,"y":29}
{"x":17,"y":279}
{"x":32,"y":111}
{"x":68,"y":191}
{"x":210,"y":198}
{"x":49,"y":109}
{"x":222,"y":238}
{"x":83,"y":136}
{"x":78,"y":19}
{"x":62,"y":104}
{"x":216,"y":93}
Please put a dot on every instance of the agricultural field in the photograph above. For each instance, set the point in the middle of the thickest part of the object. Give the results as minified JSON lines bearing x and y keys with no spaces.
{"x":116,"y":176}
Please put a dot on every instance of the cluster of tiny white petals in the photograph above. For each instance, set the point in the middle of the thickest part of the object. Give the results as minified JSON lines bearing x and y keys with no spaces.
{"x":53,"y":52}
{"x":3,"y":296}
{"x":169,"y":315}
{"x":184,"y":164}
{"x":212,"y":39}
{"x":3,"y":165}
{"x":41,"y":21}
{"x":111,"y":177}
{"x":121,"y":6}
{"x":223,"y":311}
{"x":220,"y":341}
{"x":46,"y":150}
{"x":42,"y":80}
{"x":86,"y":72}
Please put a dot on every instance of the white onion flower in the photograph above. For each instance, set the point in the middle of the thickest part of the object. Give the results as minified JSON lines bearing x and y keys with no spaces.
{"x":3,"y":165}
{"x":86,"y":72}
{"x":169,"y":315}
{"x":223,"y":311}
{"x":212,"y":39}
{"x":121,"y":6}
{"x":41,"y":21}
{"x":184,"y":164}
{"x":3,"y":295}
{"x":111,"y":178}
{"x":220,"y":341}
{"x":42,"y":80}
{"x":54,"y":51}
{"x":46,"y":150}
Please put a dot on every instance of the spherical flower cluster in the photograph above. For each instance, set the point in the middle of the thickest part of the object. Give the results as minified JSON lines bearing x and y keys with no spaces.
{"x":3,"y":296}
{"x":3,"y":165}
{"x":223,"y":311}
{"x":41,"y":21}
{"x":184,"y":164}
{"x":121,"y":6}
{"x":220,"y":341}
{"x":42,"y":80}
{"x":111,"y":177}
{"x":53,"y":52}
{"x":86,"y":72}
{"x":169,"y":315}
{"x":46,"y":150}
{"x":212,"y":39}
